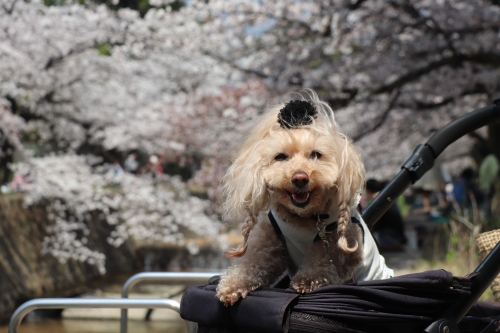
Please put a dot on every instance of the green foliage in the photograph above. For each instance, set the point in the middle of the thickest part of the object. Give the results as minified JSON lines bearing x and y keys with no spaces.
{"x":142,"y":6}
{"x":54,"y":2}
{"x":451,"y":254}
{"x":105,"y":49}
{"x":356,"y":48}
{"x":454,"y":240}
{"x":404,"y":208}
{"x":315,"y":63}
{"x":335,"y":56}
{"x":488,"y":171}
{"x":492,"y":223}
{"x":177,"y":4}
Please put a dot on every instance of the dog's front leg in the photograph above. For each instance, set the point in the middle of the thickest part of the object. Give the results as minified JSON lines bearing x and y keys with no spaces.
{"x":264,"y":260}
{"x":316,"y":271}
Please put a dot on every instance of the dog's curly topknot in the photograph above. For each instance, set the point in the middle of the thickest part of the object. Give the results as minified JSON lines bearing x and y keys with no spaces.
{"x":297,"y":113}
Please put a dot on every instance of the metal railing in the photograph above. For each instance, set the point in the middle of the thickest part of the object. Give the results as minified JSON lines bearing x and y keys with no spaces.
{"x":64,"y":303}
{"x":124,"y":303}
{"x":183,"y":278}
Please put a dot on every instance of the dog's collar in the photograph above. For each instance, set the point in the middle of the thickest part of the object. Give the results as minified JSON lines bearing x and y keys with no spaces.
{"x":315,"y":217}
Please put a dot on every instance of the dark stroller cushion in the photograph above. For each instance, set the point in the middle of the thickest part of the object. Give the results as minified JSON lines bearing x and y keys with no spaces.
{"x":406,"y":303}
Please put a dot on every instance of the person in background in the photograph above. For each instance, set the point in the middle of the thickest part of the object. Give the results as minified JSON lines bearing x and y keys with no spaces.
{"x":471,"y":189}
{"x":154,"y":168}
{"x":389,"y":230}
{"x":131,"y":163}
{"x":115,"y":173}
{"x":116,"y":168}
{"x":21,"y":182}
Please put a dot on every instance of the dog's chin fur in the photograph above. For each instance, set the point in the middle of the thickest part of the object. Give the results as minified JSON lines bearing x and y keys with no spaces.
{"x":264,"y":175}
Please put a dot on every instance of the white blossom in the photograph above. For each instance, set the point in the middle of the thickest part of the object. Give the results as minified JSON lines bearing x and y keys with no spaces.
{"x":83,"y":80}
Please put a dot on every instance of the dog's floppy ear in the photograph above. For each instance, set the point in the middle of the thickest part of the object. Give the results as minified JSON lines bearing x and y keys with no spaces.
{"x":350,"y":183}
{"x":244,"y":188}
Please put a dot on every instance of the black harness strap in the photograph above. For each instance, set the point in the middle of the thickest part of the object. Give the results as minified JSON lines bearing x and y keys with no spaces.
{"x":276,"y":228}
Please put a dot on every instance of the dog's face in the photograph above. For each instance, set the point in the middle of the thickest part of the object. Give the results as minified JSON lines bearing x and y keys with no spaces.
{"x":301,"y":169}
{"x":300,"y":166}
{"x":304,"y":170}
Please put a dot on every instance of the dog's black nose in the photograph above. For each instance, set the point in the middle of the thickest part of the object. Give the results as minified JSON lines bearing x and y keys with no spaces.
{"x":300,"y":179}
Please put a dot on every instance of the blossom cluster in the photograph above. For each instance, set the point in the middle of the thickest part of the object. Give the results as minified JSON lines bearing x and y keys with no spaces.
{"x":119,"y":81}
{"x":74,"y":193}
{"x":83,"y":80}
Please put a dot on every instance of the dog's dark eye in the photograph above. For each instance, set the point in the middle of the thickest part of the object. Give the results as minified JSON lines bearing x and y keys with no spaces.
{"x":281,"y":157}
{"x":316,"y":154}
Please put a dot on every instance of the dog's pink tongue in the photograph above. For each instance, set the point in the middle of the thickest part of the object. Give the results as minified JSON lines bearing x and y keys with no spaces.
{"x":300,"y":197}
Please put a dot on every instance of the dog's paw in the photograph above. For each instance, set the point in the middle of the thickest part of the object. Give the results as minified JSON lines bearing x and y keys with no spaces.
{"x":305,"y":286}
{"x":229,"y":296}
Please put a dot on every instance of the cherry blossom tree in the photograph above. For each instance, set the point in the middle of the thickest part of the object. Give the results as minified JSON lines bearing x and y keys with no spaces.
{"x":73,"y":193}
{"x":375,"y":62}
{"x":378,"y":63}
{"x":94,"y":80}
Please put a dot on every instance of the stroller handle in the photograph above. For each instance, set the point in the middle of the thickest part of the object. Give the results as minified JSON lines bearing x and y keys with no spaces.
{"x":423,"y":158}
{"x":412,"y":170}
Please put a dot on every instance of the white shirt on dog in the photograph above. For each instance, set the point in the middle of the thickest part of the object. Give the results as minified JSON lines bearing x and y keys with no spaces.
{"x":299,"y":240}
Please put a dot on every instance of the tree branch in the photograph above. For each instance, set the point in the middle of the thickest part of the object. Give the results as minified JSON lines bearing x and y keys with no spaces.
{"x":238,"y":67}
{"x":11,"y":9}
{"x":456,"y":60}
{"x":381,"y":120}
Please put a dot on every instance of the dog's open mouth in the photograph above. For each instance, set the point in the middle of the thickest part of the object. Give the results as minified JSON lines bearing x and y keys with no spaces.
{"x":300,"y":199}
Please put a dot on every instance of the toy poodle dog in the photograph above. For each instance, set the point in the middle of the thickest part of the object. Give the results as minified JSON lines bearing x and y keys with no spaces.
{"x":296,"y":182}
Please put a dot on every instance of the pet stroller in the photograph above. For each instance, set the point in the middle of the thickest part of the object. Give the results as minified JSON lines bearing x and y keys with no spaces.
{"x":432,"y":301}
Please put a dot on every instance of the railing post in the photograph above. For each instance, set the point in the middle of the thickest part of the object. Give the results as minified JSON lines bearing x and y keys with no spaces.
{"x":184,"y":278}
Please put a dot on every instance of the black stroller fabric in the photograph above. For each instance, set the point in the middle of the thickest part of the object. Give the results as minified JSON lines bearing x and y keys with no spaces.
{"x":407,"y":303}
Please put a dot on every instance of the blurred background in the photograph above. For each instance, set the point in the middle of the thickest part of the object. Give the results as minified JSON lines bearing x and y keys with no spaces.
{"x":118,"y":119}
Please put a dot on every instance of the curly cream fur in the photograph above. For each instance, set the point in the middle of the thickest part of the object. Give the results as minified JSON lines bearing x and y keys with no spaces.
{"x":256,"y":181}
